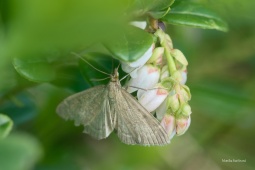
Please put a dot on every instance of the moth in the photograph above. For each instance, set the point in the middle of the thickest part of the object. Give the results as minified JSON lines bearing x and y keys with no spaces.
{"x":105,"y":108}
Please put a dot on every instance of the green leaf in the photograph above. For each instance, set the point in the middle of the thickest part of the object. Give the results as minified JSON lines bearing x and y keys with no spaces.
{"x":152,"y":5}
{"x":35,"y":69}
{"x":19,"y":152}
{"x":191,"y":14}
{"x":130,"y":45}
{"x":5,"y":125}
{"x":159,"y":14}
{"x":69,"y":76}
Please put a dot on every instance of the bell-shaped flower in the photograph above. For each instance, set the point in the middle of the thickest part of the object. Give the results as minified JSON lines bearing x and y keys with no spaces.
{"x":132,"y":67}
{"x":147,"y":77}
{"x":182,"y":125}
{"x":139,"y":24}
{"x":152,"y":99}
{"x":168,"y":123}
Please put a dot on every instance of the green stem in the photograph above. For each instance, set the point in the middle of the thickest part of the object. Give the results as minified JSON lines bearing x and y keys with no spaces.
{"x":170,"y":60}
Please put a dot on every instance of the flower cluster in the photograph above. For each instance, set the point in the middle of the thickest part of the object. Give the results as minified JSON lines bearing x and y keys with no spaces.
{"x":159,"y":78}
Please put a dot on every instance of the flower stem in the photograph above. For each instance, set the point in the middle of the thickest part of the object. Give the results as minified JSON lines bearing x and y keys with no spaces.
{"x":170,"y":60}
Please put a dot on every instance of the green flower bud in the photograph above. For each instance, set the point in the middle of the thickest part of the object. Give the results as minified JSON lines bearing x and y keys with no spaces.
{"x":186,"y":110}
{"x":177,"y":76}
{"x":178,"y":55}
{"x":173,"y":102}
{"x":157,"y":56}
{"x":185,"y":92}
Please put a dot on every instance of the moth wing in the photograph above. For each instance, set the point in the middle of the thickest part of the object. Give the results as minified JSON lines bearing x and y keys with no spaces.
{"x":135,"y":125}
{"x":90,"y":108}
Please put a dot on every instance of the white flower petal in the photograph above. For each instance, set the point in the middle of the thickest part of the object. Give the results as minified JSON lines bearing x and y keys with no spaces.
{"x":184,"y":77}
{"x":161,"y":110}
{"x":173,"y":133}
{"x":142,"y":60}
{"x":131,"y":70}
{"x":139,"y":24}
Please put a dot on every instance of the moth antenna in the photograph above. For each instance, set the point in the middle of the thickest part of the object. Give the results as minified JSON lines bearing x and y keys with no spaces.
{"x":77,"y":55}
{"x":118,"y":66}
{"x":128,"y":74}
{"x":147,"y":89}
{"x":99,"y":79}
{"x":112,"y":66}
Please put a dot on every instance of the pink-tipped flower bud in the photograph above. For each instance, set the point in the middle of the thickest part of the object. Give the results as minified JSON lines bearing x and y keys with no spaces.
{"x":168,"y":123}
{"x":147,"y":77}
{"x":182,"y":125}
{"x":152,"y":99}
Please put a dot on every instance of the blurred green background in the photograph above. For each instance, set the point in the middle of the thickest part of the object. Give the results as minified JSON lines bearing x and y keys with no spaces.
{"x":221,"y":76}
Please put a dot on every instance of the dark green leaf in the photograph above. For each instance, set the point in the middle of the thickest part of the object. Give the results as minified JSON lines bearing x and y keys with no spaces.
{"x":20,"y":108}
{"x":130,"y":45}
{"x":101,"y":62}
{"x":5,"y":125}
{"x":152,"y":5}
{"x":34,"y":69}
{"x":69,"y":76}
{"x":19,"y":152}
{"x":159,"y":14}
{"x":191,"y":14}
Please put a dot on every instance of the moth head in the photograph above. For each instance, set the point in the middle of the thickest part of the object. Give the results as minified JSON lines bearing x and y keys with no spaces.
{"x":115,"y":76}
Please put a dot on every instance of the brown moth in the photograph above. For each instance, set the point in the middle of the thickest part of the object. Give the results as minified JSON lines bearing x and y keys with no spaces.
{"x":103,"y":108}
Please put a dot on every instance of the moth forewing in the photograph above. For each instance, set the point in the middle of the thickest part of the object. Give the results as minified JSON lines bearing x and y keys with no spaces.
{"x":92,"y":109}
{"x":136,"y":125}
